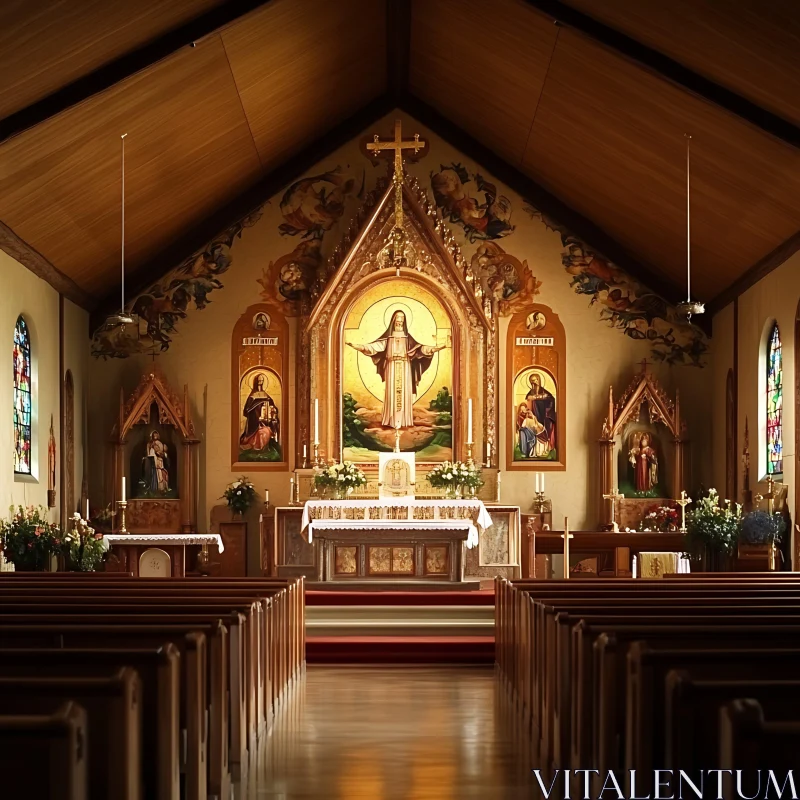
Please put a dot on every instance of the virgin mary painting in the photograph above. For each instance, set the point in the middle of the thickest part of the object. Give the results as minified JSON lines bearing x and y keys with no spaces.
{"x":260,"y":439}
{"x":401,"y":361}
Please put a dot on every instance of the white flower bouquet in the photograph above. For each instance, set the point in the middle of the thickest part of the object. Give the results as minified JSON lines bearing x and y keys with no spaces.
{"x":240,"y":495}
{"x":455,"y":475}
{"x":340,"y":478}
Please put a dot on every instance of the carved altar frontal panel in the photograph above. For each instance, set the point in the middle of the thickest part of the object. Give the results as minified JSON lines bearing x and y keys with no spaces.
{"x":345,"y":560}
{"x":536,"y":378}
{"x":294,"y":550}
{"x":153,"y":516}
{"x":260,"y":399}
{"x":437,"y":559}
{"x":390,"y":560}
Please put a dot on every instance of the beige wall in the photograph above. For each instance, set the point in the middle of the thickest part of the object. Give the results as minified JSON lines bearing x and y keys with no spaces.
{"x":774,"y":298}
{"x":24,"y":293}
{"x":597,"y":355}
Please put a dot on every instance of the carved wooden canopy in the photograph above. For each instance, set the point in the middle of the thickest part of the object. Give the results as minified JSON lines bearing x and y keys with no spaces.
{"x":644,"y":389}
{"x":153,"y":388}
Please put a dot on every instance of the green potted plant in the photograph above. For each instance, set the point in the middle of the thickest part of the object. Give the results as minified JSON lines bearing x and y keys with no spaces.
{"x":240,"y":495}
{"x":712,"y":531}
{"x":761,"y":534}
{"x":85,"y":548}
{"x":29,"y":539}
{"x":340,"y":479}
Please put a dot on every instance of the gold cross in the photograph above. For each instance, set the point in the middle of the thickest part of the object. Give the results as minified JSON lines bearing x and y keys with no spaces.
{"x":398,"y":144}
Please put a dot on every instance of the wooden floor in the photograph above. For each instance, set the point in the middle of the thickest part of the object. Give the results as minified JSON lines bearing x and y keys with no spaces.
{"x":394,"y":734}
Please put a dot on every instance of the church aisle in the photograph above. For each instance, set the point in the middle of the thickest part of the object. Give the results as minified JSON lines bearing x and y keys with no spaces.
{"x":394,"y":734}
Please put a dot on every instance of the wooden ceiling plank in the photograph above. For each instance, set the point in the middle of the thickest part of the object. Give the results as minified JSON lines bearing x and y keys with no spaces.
{"x":188,"y":151}
{"x":123,"y":67}
{"x":300,"y":66}
{"x":29,"y":257}
{"x":608,"y":141}
{"x":198,"y":237}
{"x":541,"y":199}
{"x":398,"y":47}
{"x":749,"y":46}
{"x":671,"y":70}
{"x":771,"y":261}
{"x":469,"y":81}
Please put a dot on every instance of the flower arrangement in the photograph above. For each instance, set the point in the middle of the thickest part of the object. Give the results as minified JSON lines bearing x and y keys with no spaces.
{"x":712,"y":525}
{"x":29,"y":540}
{"x":455,"y":476}
{"x":661,"y":518}
{"x":340,"y":478}
{"x":240,"y":495}
{"x":103,"y":520}
{"x":85,"y":547}
{"x":759,"y":527}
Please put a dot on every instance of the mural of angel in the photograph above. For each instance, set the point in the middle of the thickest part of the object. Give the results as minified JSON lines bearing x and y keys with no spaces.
{"x":315,"y":204}
{"x":490,"y":219}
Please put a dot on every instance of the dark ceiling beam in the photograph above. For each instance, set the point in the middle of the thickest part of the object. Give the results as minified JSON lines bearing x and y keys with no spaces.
{"x":125,"y":66}
{"x":671,"y":70}
{"x":398,"y":48}
{"x":759,"y":270}
{"x":541,"y":199}
{"x":197,"y":238}
{"x":32,"y":259}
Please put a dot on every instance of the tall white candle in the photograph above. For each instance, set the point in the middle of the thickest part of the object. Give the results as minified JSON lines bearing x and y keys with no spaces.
{"x":123,"y":488}
{"x":305,"y":451}
{"x":537,"y":474}
{"x":87,"y":508}
{"x":566,"y":547}
{"x":266,"y":497}
{"x":469,"y":421}
{"x":542,"y":482}
{"x":488,"y":453}
{"x":316,"y":421}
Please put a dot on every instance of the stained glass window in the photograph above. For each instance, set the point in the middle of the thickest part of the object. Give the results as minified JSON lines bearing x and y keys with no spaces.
{"x":774,"y":403}
{"x":22,"y":398}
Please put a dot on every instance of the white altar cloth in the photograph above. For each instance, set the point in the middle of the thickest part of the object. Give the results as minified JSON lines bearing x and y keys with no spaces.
{"x":397,"y":509}
{"x":396,"y":524}
{"x":155,"y":539}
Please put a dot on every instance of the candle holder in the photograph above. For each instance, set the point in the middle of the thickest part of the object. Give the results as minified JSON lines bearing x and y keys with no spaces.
{"x":318,"y":462}
{"x":470,"y":461}
{"x":613,"y":496}
{"x":122,"y":504}
{"x":539,"y":503}
{"x":683,"y":502}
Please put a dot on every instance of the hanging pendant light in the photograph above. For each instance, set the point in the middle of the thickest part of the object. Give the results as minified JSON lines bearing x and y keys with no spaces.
{"x":123,"y":318}
{"x":689,"y":307}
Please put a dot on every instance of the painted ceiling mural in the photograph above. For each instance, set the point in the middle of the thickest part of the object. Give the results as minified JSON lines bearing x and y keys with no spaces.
{"x":628,"y":305}
{"x":314,"y":205}
{"x":158,"y":309}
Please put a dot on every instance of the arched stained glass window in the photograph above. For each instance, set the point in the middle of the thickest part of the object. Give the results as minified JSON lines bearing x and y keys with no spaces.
{"x":774,"y":403}
{"x":22,"y":398}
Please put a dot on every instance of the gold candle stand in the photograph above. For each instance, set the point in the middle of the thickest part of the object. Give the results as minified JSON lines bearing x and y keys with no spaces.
{"x":123,"y":504}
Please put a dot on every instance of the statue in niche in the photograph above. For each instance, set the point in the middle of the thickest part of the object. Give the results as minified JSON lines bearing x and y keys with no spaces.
{"x":401,"y":361}
{"x":155,"y":467}
{"x":643,"y":459}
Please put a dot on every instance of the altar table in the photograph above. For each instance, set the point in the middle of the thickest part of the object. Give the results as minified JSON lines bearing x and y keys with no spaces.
{"x":396,"y":539}
{"x":157,"y":554}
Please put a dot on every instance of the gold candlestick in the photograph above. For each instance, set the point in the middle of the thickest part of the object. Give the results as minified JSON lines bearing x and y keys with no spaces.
{"x":566,"y":537}
{"x":613,"y":496}
{"x":470,"y":461}
{"x":123,"y":504}
{"x":683,"y":502}
{"x":317,"y":462}
{"x":397,"y":439}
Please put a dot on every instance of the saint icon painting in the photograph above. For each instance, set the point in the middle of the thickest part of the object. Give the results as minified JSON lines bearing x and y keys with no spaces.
{"x":397,"y":374}
{"x":535,"y":415}
{"x":260,"y":429}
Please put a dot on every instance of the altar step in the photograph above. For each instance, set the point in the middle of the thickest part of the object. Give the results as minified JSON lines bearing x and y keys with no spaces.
{"x":400,"y":627}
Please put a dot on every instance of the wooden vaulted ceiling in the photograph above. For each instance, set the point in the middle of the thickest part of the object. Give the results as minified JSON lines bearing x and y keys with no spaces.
{"x":580,"y":106}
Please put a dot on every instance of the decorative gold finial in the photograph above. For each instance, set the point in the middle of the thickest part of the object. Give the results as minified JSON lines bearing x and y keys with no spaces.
{"x":398,"y":238}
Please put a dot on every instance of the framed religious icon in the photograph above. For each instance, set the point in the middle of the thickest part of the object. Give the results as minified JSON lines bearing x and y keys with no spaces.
{"x":259,"y":402}
{"x":397,"y":374}
{"x":536,"y":393}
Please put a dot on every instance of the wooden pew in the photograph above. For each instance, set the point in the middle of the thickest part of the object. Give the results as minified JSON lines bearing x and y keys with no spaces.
{"x":647,"y":672}
{"x":159,"y":673}
{"x":751,"y":742}
{"x":113,"y":717}
{"x":44,"y":757}
{"x":203,"y":652}
{"x":693,"y":714}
